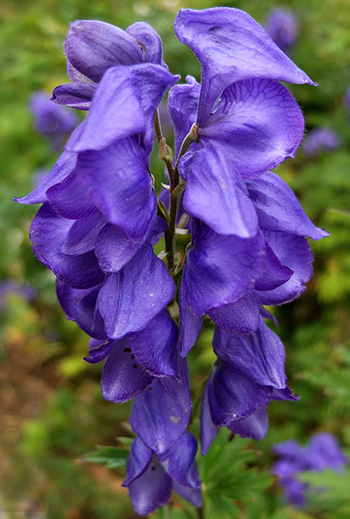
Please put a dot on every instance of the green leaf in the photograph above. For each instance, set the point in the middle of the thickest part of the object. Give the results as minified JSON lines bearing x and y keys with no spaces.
{"x":112,"y":457}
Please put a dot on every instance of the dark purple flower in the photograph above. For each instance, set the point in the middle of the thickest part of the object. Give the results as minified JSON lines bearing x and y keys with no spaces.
{"x":151,"y":479}
{"x":322,"y":452}
{"x":320,"y":140}
{"x":283,"y":27}
{"x":52,"y":121}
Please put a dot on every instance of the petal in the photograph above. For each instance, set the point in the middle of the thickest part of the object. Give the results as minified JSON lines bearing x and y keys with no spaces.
{"x":193,"y":495}
{"x":61,"y":170}
{"x":122,"y":377}
{"x":98,"y":350}
{"x":47,"y":233}
{"x":93,"y":46}
{"x":257,"y":126}
{"x":138,"y":461}
{"x":155,"y":346}
{"x":82,"y":235}
{"x":130,"y":299}
{"x":119,"y":184}
{"x":157,"y":419}
{"x":294,"y":252}
{"x":179,"y":390}
{"x":80,"y":306}
{"x":77,"y":95}
{"x":260,"y":355}
{"x":275,"y":274}
{"x":233,"y":396}
{"x":255,"y":426}
{"x":124,"y":104}
{"x":215,"y":193}
{"x":190,"y":324}
{"x":69,"y":198}
{"x":231,"y":46}
{"x":151,"y":490}
{"x":183,"y":104}
{"x":208,"y":429}
{"x":220,"y":270}
{"x":179,"y":461}
{"x":149,"y":41}
{"x":242,"y":317}
{"x":284,"y":394}
{"x":278,"y":208}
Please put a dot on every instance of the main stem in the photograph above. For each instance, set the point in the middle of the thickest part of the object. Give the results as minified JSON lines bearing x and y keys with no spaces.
{"x":165,"y":154}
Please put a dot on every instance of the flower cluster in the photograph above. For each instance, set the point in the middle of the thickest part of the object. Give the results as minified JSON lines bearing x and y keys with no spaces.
{"x":321,"y":140}
{"x":101,"y":217}
{"x":322,"y":452}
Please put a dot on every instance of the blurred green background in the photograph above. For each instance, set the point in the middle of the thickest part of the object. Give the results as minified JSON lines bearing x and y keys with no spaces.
{"x":51,"y":409}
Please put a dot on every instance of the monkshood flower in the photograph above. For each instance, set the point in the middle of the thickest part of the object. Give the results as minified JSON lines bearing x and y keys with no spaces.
{"x":321,"y":140}
{"x":52,"y":121}
{"x":229,"y":278}
{"x":249,"y":373}
{"x":321,"y":453}
{"x":9,"y":287}
{"x":92,"y":47}
{"x":283,"y":27}
{"x":151,"y":478}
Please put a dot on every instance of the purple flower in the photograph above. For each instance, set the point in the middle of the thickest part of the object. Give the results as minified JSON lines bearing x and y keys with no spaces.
{"x":283,"y":27}
{"x":52,"y":121}
{"x":151,"y":479}
{"x":9,"y":287}
{"x":322,"y":452}
{"x":92,"y":47}
{"x":320,"y":140}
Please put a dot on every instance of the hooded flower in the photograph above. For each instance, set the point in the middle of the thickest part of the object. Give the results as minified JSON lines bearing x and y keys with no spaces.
{"x":150,"y":478}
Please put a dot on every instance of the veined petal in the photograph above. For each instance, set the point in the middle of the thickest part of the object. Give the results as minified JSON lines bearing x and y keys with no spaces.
{"x":179,"y":461}
{"x":293,"y":251}
{"x":220,"y":270}
{"x":138,"y":461}
{"x":123,"y":377}
{"x":149,"y":41}
{"x":124,"y":104}
{"x":61,"y":170}
{"x":130,"y":299}
{"x":234,"y":396}
{"x":231,"y":46}
{"x":155,"y":346}
{"x":157,"y":419}
{"x":254,"y":426}
{"x":215,"y":193}
{"x":77,"y":95}
{"x":92,"y":47}
{"x":183,"y":103}
{"x":256,"y":126}
{"x":47,"y":233}
{"x":260,"y":355}
{"x":119,"y":184}
{"x":278,"y":208}
{"x":179,"y":390}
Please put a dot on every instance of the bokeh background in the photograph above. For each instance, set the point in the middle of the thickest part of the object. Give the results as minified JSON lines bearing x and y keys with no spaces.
{"x":51,"y":410}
